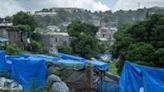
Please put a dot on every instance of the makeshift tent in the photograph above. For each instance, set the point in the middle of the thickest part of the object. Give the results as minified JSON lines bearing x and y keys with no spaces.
{"x":136,"y":77}
{"x":67,"y":63}
{"x":77,"y":72}
{"x":87,"y":79}
{"x":28,"y":71}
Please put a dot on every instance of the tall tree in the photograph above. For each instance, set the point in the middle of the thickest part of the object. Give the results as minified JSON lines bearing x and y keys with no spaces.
{"x":142,"y":42}
{"x":24,"y":18}
{"x":84,"y":42}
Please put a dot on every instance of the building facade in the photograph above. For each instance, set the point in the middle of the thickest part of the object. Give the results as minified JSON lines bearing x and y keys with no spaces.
{"x":106,"y":31}
{"x":11,"y":33}
{"x":54,"y":40}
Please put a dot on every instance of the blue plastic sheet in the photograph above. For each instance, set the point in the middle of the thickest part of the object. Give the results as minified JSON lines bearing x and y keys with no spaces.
{"x":29,"y":72}
{"x":107,"y":86}
{"x":136,"y":77}
{"x":71,"y":57}
{"x":97,"y":64}
{"x":2,"y":60}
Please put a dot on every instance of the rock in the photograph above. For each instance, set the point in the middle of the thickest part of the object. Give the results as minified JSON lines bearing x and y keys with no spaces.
{"x":8,"y":84}
{"x":59,"y":87}
{"x":53,"y":78}
{"x":57,"y":84}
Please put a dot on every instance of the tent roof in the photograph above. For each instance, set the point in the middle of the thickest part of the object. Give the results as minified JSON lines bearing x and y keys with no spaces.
{"x":96,"y":63}
{"x":67,"y":60}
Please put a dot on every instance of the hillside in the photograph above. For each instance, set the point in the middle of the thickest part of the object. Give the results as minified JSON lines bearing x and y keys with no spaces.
{"x":63,"y":16}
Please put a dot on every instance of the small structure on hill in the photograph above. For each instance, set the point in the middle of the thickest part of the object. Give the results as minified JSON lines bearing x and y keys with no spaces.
{"x":11,"y":34}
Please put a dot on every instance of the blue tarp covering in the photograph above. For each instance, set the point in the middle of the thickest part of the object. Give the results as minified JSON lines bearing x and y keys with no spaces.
{"x":30,"y":69}
{"x":136,"y":77}
{"x":71,"y":57}
{"x":2,"y":60}
{"x":97,"y":64}
{"x":29,"y":72}
{"x":67,"y":59}
{"x":106,"y":86}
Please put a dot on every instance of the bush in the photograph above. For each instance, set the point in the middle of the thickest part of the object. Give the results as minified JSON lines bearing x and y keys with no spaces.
{"x":66,"y":49}
{"x":37,"y":46}
{"x":13,"y":49}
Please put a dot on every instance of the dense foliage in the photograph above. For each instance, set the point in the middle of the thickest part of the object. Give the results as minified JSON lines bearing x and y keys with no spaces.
{"x":142,"y":42}
{"x":13,"y":49}
{"x":84,"y":42}
{"x":23,"y":18}
{"x":25,"y":22}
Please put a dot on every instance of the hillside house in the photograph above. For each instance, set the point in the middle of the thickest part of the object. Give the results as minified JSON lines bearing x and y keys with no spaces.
{"x":11,"y":33}
{"x":54,"y":40}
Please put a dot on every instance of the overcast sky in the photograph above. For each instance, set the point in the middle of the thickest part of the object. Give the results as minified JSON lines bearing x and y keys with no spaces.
{"x":9,"y":7}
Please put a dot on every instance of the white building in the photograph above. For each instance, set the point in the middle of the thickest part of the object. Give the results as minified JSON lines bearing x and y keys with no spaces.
{"x":45,"y":13}
{"x":106,"y":32}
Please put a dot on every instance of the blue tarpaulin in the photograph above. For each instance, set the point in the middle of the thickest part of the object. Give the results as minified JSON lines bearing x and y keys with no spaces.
{"x":29,"y":72}
{"x":30,"y":69}
{"x":2,"y":60}
{"x":97,"y":64}
{"x":67,"y":59}
{"x":107,"y":86}
{"x":71,"y":57}
{"x":135,"y":78}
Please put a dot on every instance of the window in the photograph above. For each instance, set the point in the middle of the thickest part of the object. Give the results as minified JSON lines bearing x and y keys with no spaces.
{"x":56,"y":39}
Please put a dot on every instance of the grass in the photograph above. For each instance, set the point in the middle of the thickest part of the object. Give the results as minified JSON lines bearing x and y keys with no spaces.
{"x":112,"y":68}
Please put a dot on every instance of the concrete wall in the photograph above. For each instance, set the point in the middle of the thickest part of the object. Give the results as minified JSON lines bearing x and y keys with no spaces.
{"x":54,"y":41}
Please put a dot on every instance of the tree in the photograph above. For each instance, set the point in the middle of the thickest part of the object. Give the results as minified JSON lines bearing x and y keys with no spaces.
{"x":141,"y":52}
{"x":85,"y":46}
{"x":23,"y":18}
{"x":25,"y":22}
{"x":77,"y":27}
{"x":84,"y":42}
{"x":159,"y":54}
{"x":24,"y":28}
{"x":142,"y":43}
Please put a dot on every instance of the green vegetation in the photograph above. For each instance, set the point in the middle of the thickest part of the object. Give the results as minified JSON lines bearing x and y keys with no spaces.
{"x":37,"y":47}
{"x":25,"y":22}
{"x":141,"y":43}
{"x":66,"y":16}
{"x":112,"y":68}
{"x":13,"y":49}
{"x":84,"y":42}
{"x":24,"y":18}
{"x":66,"y":49}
